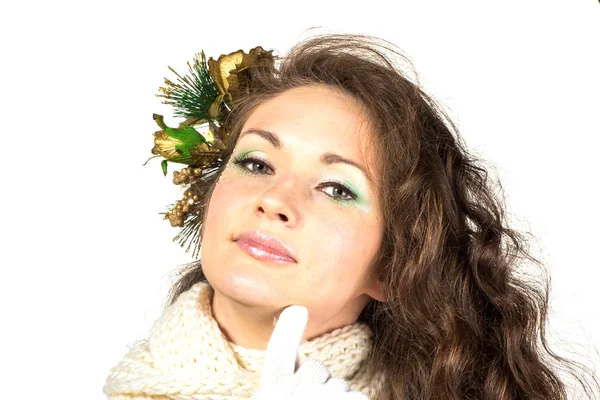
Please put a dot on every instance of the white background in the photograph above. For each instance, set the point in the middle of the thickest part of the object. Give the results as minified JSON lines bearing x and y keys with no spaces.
{"x":85,"y":256}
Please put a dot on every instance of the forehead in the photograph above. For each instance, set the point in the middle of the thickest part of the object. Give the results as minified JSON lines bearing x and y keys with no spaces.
{"x":327,"y":104}
{"x":316,"y":118}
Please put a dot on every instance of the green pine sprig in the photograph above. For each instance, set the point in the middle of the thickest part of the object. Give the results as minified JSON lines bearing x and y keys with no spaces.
{"x":193,"y":95}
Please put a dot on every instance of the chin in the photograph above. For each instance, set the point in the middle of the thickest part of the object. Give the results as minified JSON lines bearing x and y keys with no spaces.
{"x":243,"y":287}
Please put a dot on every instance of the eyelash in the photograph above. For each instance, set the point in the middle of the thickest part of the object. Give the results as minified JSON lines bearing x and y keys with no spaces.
{"x":239,"y":161}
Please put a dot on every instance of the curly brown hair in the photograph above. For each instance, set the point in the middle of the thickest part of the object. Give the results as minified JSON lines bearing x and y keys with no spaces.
{"x":461,"y":320}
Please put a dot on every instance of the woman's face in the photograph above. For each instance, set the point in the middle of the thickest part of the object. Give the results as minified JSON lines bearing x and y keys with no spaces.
{"x":292,"y":184}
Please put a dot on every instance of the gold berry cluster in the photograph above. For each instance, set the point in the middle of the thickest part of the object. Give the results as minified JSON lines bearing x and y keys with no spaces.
{"x":186,"y":176}
{"x":182,"y":208}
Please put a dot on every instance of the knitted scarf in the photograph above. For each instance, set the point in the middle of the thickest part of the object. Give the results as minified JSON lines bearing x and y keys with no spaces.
{"x":187,"y":357}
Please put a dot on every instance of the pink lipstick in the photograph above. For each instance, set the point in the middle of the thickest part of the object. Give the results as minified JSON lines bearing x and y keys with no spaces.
{"x":265,"y":247}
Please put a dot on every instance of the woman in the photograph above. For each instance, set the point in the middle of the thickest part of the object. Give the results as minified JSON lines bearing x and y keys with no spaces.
{"x":343,"y":189}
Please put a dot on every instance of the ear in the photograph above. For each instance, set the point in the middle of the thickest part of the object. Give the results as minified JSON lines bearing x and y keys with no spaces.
{"x":375,"y":290}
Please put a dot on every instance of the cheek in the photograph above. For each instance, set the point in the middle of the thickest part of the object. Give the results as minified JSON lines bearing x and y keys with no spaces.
{"x":222,"y":204}
{"x":219,"y":229}
{"x":214,"y":210}
{"x":230,"y":204}
{"x":344,"y":250}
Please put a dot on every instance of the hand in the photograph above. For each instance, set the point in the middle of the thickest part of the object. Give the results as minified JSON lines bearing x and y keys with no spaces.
{"x":282,"y":380}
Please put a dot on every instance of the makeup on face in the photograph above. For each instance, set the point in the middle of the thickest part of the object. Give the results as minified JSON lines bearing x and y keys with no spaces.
{"x":357,"y":199}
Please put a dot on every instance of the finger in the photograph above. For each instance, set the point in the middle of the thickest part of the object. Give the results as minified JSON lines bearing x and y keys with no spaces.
{"x":282,"y":350}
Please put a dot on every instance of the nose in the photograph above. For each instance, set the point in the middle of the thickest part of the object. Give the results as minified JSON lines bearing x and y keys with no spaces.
{"x":279,"y":202}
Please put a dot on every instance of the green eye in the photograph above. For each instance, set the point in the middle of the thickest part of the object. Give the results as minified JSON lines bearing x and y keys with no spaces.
{"x":252,"y":165}
{"x":339,"y":192}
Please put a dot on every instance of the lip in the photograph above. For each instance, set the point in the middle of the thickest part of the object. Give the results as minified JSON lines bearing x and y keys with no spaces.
{"x":265,"y":247}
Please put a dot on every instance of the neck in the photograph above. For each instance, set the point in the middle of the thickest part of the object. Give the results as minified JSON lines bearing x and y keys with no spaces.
{"x":251,"y":326}
{"x":243,"y":325}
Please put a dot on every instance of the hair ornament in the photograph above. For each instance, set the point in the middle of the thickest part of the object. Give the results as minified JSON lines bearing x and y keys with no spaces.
{"x":203,"y":98}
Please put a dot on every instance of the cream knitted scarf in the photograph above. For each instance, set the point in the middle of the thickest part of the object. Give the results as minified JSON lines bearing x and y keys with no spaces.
{"x":186,"y":356}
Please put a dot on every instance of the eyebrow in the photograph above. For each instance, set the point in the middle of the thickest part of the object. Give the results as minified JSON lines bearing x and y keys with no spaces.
{"x":326,"y":158}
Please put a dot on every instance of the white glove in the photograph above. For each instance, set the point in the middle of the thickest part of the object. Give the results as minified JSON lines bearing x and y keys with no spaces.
{"x":282,"y":380}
